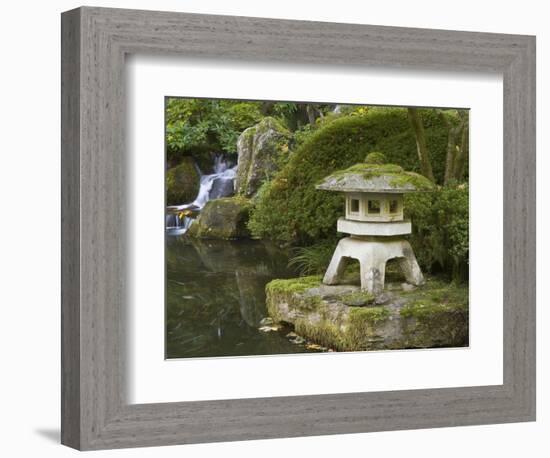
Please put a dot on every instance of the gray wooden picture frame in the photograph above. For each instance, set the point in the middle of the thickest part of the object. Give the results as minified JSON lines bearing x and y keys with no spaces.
{"x":95,"y":412}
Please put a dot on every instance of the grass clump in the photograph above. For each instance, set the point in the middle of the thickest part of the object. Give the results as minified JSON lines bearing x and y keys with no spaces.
{"x":312,"y":259}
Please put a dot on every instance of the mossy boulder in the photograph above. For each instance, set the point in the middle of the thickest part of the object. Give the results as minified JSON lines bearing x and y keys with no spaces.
{"x":435,"y":315}
{"x":182,"y":182}
{"x":224,"y":218}
{"x":262,"y":149}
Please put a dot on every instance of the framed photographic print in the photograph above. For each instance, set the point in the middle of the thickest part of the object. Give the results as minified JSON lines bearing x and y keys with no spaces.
{"x":282,"y":228}
{"x":247,"y":212}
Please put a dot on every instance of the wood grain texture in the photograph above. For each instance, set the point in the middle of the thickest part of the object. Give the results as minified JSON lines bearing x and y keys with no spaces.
{"x":96,"y":414}
{"x":70,"y":228}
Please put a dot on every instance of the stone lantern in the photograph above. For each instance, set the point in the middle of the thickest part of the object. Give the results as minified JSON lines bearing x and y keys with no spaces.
{"x":374,"y":219}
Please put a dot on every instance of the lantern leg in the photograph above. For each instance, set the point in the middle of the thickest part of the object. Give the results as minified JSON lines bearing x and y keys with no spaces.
{"x":336,"y":267}
{"x":409,"y":266}
{"x":373,"y":272}
{"x":372,"y":256}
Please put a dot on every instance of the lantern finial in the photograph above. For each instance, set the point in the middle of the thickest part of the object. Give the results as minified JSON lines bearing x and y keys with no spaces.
{"x":375,"y":158}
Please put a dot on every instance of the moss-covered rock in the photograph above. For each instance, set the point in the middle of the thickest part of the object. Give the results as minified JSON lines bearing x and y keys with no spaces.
{"x":182,"y":182}
{"x":358,"y":298}
{"x":262,"y":149}
{"x":224,"y":218}
{"x":435,"y":315}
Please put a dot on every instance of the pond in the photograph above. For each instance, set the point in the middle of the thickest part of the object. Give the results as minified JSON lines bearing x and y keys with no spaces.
{"x":215,"y":298}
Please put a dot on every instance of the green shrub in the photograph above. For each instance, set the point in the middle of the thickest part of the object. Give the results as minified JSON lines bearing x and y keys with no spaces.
{"x":290,"y":209}
{"x":440,"y":225}
{"x":303,"y":133}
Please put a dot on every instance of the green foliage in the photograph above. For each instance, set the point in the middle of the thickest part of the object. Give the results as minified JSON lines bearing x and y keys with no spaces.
{"x":312,"y":259}
{"x":354,"y":110}
{"x":295,"y":115}
{"x":290,"y":209}
{"x":403,"y":144}
{"x":305,"y":130}
{"x":303,"y":133}
{"x":440,"y":236}
{"x":242,"y":114}
{"x":285,"y":110}
{"x":206,"y":125}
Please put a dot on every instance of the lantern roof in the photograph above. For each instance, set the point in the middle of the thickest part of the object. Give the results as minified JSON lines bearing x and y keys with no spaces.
{"x":374,"y":175}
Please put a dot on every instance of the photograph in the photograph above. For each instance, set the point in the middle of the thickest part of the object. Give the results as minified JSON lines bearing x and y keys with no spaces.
{"x":307,"y":227}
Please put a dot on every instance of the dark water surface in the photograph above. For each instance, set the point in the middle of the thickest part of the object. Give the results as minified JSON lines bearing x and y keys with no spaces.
{"x":215,"y":294}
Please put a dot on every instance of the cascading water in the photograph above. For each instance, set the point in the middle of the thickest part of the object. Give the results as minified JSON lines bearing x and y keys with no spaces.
{"x":177,"y":222}
{"x":220,"y":183}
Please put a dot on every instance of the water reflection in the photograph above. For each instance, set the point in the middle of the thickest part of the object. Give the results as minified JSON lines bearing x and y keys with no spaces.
{"x":216,"y":298}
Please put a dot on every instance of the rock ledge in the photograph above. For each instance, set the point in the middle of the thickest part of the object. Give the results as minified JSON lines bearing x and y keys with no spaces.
{"x":434,"y":315}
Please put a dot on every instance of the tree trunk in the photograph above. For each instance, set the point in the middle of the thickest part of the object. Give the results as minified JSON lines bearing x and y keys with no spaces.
{"x":267,"y":107}
{"x":462,"y":153}
{"x":421,"y":148}
{"x":456,"y":152}
{"x":451,"y":155}
{"x":312,"y":113}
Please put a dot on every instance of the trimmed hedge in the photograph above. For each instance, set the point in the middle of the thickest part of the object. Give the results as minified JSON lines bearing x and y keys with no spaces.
{"x":290,"y":209}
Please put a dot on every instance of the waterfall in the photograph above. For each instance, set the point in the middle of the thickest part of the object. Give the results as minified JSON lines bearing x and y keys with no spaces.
{"x":220,"y":164}
{"x":176,"y":223}
{"x":220,"y":183}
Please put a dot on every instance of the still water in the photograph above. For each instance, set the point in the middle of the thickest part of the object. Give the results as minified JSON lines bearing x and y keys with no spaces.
{"x":215,"y":298}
